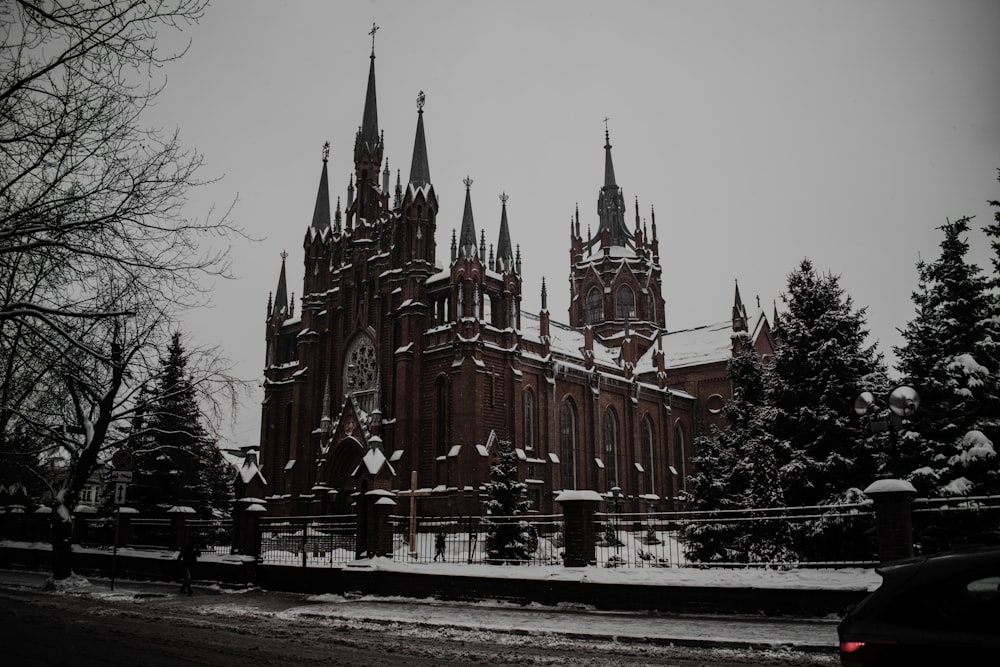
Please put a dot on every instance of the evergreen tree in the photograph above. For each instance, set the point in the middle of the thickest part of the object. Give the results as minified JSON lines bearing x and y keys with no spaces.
{"x":820,"y":364}
{"x":730,"y":472}
{"x":175,"y":461}
{"x":947,"y":345}
{"x":508,"y":539}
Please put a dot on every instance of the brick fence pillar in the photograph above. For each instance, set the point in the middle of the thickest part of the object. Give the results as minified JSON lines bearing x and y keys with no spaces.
{"x":893,"y":519}
{"x":178,"y":524}
{"x":578,"y":529}
{"x":377,"y":529}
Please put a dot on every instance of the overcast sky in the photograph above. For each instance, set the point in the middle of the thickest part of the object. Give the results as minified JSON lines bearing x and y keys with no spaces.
{"x":762,"y":133}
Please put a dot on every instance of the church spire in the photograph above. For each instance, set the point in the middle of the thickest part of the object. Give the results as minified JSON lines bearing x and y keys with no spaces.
{"x":280,"y":306}
{"x":739,"y":311}
{"x":611,"y":205}
{"x":368,"y":134}
{"x":321,"y":214}
{"x":505,"y":253}
{"x":420,"y":172}
{"x":609,"y":167}
{"x":467,"y":238}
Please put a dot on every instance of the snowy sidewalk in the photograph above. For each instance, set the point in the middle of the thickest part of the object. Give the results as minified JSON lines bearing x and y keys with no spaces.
{"x":575,"y":623}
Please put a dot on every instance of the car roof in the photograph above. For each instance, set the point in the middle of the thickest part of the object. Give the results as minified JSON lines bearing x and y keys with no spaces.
{"x":942,"y":564}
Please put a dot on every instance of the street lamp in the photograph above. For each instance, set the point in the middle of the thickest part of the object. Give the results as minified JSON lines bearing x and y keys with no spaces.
{"x":903,"y":402}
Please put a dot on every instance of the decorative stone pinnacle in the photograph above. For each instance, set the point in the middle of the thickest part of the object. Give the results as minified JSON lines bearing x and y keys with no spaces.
{"x":326,"y":151}
{"x":504,"y":197}
{"x":468,"y":182}
{"x":284,"y":255}
{"x":421,"y":99}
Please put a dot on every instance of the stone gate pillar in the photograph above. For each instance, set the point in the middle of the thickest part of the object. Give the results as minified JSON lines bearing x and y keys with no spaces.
{"x":893,"y":519}
{"x":578,"y":527}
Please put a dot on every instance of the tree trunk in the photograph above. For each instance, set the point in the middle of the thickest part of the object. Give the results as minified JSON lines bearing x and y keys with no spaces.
{"x":62,"y":546}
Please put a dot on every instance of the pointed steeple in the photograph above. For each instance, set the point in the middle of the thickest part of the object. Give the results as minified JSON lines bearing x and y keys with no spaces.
{"x":467,"y":238}
{"x":368,"y":134}
{"x":739,"y":311}
{"x":337,"y":217}
{"x":321,"y":214}
{"x":545,"y":295}
{"x":609,"y":167}
{"x":280,"y":306}
{"x":505,"y":252}
{"x":611,"y":206}
{"x":420,"y":172}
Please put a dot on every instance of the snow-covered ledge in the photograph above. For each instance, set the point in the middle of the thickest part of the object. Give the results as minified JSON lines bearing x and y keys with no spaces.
{"x":571,"y":495}
{"x":889,"y":486}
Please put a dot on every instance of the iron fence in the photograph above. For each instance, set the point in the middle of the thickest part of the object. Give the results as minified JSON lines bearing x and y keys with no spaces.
{"x":309,"y":541}
{"x":823,"y":535}
{"x":940,"y":524}
{"x":466,"y":539}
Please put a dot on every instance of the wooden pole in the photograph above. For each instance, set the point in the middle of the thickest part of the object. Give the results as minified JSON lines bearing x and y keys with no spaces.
{"x":413,"y":515}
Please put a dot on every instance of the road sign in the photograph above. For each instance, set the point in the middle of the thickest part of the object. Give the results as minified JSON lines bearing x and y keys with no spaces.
{"x":121,"y":488}
{"x":121,"y":476}
{"x":121,"y":460}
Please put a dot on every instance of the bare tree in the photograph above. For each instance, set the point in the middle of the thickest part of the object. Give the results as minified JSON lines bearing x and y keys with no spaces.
{"x":97,"y":260}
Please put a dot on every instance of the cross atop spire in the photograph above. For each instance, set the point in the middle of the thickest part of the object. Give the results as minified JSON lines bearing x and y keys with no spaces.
{"x":372,"y":32}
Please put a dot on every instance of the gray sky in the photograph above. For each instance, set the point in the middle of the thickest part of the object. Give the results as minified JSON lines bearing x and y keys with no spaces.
{"x":761,"y":132}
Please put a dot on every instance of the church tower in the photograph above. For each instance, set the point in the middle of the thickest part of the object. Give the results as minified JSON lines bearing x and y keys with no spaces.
{"x":615,"y":274}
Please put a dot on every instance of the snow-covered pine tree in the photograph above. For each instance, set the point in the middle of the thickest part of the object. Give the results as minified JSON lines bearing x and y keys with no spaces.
{"x":946,"y":346}
{"x":724,"y":465}
{"x":820,"y":364}
{"x":508,"y":539}
{"x":175,"y":460}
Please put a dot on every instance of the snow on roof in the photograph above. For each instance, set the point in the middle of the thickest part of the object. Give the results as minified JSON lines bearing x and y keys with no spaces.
{"x":692,"y":347}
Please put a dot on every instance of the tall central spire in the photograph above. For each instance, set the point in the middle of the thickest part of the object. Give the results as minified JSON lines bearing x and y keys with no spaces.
{"x":368,"y":135}
{"x":611,"y":204}
{"x":609,"y":167}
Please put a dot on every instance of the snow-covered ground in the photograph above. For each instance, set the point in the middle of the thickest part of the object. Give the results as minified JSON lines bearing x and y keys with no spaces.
{"x":748,"y":577}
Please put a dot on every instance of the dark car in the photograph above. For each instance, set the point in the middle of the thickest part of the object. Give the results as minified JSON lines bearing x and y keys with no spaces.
{"x":942,"y":609}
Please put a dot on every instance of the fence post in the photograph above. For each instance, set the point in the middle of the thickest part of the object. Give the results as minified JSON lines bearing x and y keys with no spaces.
{"x":178,"y":524}
{"x":123,"y":531}
{"x":893,"y":519}
{"x":578,"y":527}
{"x":378,"y":531}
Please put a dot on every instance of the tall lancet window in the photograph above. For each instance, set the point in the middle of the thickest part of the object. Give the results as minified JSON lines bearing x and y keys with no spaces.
{"x":626,"y":303}
{"x":647,"y":453}
{"x":529,"y":421}
{"x":611,"y":446}
{"x":567,"y":444}
{"x":595,"y":306}
{"x":441,"y":417}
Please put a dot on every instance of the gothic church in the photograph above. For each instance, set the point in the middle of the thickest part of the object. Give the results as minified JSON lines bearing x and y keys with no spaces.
{"x":404,"y":371}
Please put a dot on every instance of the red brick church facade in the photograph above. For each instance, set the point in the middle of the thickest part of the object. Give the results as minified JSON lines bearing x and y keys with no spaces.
{"x":404,"y":365}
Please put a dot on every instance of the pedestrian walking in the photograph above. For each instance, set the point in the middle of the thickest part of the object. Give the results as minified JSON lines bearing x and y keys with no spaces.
{"x":439,"y":545}
{"x":188,"y":557}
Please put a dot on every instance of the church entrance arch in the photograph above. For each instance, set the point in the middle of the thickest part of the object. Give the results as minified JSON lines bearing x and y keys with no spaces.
{"x":346,"y":459}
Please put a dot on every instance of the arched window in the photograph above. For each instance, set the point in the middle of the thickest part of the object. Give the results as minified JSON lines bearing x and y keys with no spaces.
{"x":441,"y":416}
{"x":529,"y":421}
{"x":647,"y":454}
{"x":625,"y":303}
{"x":611,"y":447}
{"x":567,"y":444}
{"x":595,"y":306}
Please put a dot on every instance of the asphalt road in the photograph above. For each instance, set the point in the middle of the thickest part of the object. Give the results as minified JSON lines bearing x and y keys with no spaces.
{"x":152,"y":624}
